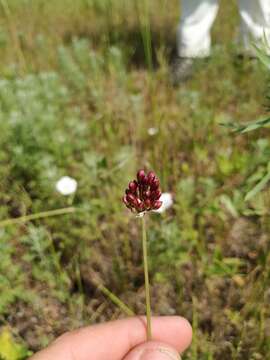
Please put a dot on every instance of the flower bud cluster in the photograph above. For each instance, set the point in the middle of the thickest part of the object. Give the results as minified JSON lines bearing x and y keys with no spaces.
{"x":143,"y":194}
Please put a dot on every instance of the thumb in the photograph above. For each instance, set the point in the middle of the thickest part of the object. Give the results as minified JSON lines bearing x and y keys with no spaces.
{"x":153,"y":350}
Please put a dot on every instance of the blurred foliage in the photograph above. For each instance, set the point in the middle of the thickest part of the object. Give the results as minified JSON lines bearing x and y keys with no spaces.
{"x":9,"y":349}
{"x":262,"y":52}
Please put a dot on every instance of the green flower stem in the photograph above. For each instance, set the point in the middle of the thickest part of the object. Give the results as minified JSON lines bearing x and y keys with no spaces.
{"x":39,"y":215}
{"x":146,"y":279}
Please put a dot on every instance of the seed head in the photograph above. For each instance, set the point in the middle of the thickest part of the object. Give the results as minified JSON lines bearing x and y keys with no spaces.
{"x":143,"y":194}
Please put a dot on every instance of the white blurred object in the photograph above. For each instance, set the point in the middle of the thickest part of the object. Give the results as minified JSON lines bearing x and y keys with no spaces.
{"x":167,"y":202}
{"x":141,"y":214}
{"x":197,"y":18}
{"x":152,"y":131}
{"x":66,"y":185}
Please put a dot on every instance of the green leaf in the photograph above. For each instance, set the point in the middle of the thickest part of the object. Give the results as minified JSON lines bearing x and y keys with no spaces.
{"x":227,"y":202}
{"x":259,"y":187}
{"x":263,"y":56}
{"x":248,"y":127}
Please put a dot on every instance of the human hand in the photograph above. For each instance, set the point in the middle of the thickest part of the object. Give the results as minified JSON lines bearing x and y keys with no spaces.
{"x":122,"y":340}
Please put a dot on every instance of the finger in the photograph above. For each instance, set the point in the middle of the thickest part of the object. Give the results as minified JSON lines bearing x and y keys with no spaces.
{"x":153,"y":350}
{"x":113,"y":340}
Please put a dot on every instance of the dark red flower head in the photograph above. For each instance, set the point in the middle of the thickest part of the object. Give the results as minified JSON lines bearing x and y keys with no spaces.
{"x":143,"y":194}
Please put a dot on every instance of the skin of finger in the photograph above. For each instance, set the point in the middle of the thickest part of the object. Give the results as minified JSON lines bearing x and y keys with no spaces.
{"x":115,"y":339}
{"x":151,"y":350}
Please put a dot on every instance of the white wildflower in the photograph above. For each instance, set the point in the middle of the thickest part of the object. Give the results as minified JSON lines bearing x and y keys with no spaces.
{"x":167,"y":202}
{"x":66,"y":185}
{"x":152,"y":131}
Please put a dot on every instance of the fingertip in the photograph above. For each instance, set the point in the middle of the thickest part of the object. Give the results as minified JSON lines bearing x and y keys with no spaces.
{"x":153,"y":350}
{"x":176,"y":331}
{"x":185,"y":329}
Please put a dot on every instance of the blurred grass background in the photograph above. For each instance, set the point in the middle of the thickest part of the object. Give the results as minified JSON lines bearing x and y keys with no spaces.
{"x":81,"y":84}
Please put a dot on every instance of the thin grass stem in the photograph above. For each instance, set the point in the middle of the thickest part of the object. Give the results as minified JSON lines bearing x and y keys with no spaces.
{"x":115,"y":299}
{"x":36,"y":216}
{"x":145,"y":29}
{"x":13,"y":32}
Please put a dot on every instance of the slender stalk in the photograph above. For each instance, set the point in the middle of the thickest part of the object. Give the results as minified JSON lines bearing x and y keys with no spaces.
{"x":39,"y":215}
{"x":145,"y":28}
{"x":146,"y":280}
{"x":115,"y":299}
{"x":13,"y":33}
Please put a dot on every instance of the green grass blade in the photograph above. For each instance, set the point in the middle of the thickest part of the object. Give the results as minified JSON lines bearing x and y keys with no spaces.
{"x":259,"y":187}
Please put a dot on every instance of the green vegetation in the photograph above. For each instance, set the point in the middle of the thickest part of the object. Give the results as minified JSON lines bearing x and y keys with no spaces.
{"x":9,"y":349}
{"x":81,"y":84}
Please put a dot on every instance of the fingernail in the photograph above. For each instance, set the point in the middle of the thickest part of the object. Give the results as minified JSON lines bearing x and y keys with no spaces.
{"x":159,"y":354}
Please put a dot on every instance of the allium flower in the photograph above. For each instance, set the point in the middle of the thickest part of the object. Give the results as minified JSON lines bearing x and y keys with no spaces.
{"x":144,"y":193}
{"x":66,"y":185}
{"x":167,"y":202}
